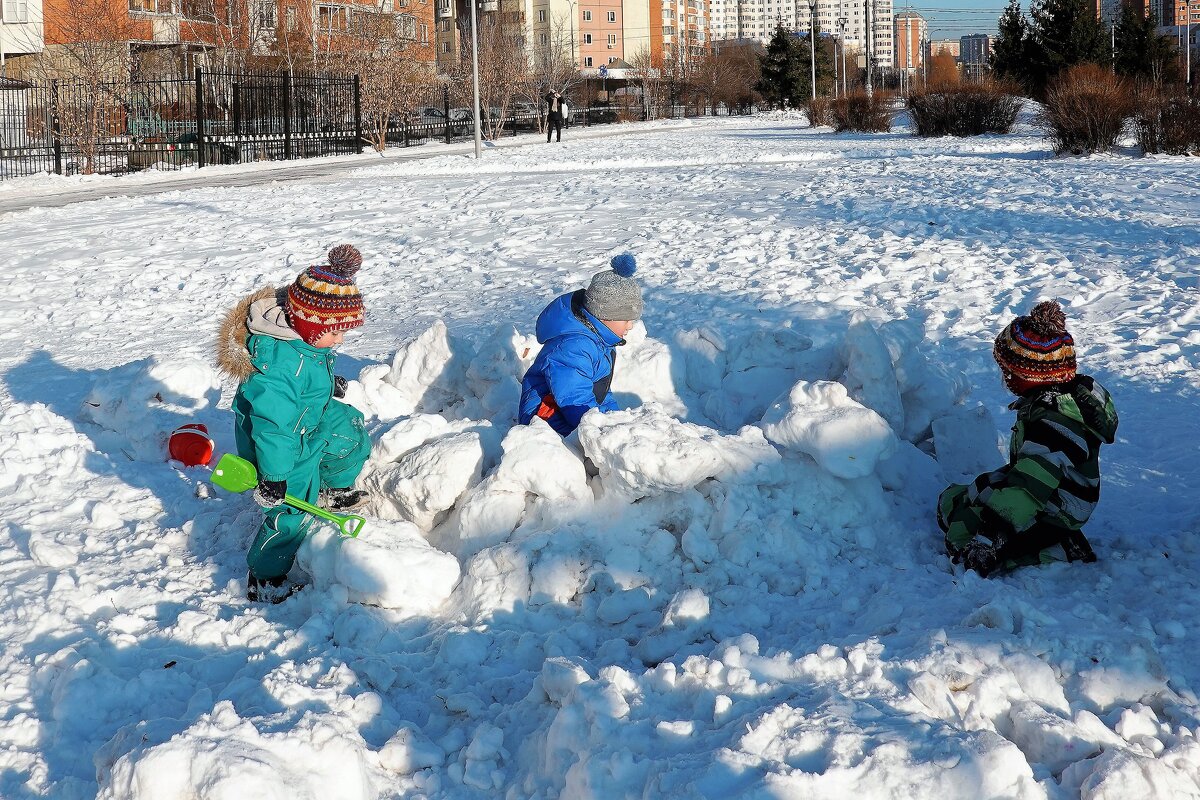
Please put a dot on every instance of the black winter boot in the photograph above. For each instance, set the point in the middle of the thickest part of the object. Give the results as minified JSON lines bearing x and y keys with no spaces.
{"x":268,"y":590}
{"x":341,"y":499}
{"x":981,"y":556}
{"x":1078,"y":548}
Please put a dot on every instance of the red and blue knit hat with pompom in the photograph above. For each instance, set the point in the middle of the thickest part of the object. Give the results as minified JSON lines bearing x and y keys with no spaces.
{"x":1036,"y":350}
{"x":324,"y":298}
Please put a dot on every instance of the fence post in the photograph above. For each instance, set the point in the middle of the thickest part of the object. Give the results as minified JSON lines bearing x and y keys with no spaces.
{"x":358,"y":129}
{"x":199,"y":118}
{"x":237,"y":109}
{"x":446,"y":103}
{"x":56,"y":127}
{"x":287,"y":116}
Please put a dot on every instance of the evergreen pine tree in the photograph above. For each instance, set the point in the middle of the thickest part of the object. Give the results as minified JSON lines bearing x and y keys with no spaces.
{"x":785,"y":69}
{"x":1065,"y":33}
{"x":1011,"y":50}
{"x":1142,"y":54}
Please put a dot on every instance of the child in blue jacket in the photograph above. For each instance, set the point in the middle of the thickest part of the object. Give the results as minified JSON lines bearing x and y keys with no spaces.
{"x":579,"y":333}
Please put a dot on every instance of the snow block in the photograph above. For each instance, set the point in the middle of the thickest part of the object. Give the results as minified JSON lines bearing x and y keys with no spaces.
{"x":390,"y":565}
{"x":819,"y":419}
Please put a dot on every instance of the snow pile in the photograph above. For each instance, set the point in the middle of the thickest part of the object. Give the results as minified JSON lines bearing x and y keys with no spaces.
{"x":390,"y":565}
{"x":139,"y":404}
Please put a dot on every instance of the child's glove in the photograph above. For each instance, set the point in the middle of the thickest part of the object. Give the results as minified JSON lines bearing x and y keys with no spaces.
{"x":270,"y":493}
{"x":339,"y":386}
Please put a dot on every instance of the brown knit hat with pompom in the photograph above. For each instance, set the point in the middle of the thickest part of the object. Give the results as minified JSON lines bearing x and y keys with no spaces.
{"x":1036,"y":350}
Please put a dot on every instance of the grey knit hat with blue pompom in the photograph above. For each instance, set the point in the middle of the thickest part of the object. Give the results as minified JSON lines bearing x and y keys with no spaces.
{"x":614,"y":294}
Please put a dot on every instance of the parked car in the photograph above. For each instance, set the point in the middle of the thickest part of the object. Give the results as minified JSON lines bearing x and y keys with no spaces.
{"x":601,"y":114}
{"x":145,"y":152}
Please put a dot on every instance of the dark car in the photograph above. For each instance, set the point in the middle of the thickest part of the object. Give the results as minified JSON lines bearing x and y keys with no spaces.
{"x":145,"y":152}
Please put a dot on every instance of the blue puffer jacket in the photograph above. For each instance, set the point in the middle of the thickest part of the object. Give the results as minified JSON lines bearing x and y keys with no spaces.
{"x":574,"y":370}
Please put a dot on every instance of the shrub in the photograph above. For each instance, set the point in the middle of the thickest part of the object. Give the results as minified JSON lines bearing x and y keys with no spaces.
{"x":968,"y":109}
{"x":1167,"y":122}
{"x":859,"y":111}
{"x":820,"y":112}
{"x":1085,"y":110}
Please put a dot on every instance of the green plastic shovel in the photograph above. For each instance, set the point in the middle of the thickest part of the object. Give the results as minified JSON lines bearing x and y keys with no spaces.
{"x":238,"y":475}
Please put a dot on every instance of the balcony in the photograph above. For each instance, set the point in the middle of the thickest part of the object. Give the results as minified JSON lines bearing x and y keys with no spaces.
{"x":164,"y":30}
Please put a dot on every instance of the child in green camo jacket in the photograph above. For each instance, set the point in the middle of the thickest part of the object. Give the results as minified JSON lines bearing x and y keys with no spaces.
{"x":1040,"y":501}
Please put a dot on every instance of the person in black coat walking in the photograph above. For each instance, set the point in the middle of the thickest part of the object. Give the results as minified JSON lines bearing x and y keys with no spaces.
{"x":554,"y":115}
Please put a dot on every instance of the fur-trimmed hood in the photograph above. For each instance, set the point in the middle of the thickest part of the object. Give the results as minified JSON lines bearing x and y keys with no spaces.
{"x":259,"y":313}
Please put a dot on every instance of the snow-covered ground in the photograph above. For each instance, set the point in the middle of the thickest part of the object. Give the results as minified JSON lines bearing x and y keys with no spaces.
{"x":748,"y":598}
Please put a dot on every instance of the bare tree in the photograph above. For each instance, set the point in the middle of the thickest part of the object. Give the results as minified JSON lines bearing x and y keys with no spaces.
{"x":392,"y":82}
{"x":503,"y":68}
{"x":647,"y":71}
{"x":96,"y":62}
{"x":727,"y":76}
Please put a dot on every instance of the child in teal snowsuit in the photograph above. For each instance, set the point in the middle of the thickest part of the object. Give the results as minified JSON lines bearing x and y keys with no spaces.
{"x":1025,"y":511}
{"x":288,"y":422}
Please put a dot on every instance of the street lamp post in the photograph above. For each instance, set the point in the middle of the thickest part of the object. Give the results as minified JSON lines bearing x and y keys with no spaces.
{"x":475,"y":76}
{"x":812,"y":43}
{"x":841,"y":23}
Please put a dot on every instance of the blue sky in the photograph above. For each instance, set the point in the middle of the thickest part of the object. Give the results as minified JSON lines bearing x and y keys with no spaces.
{"x":951,"y":19}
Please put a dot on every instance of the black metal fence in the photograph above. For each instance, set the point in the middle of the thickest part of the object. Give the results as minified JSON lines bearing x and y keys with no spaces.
{"x":227,"y":118}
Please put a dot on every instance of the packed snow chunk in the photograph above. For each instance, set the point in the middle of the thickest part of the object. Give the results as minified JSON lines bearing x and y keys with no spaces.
{"x":870,"y":375}
{"x":142,"y":402}
{"x":427,"y":374}
{"x":494,"y":377}
{"x":426,"y":482}
{"x":389,"y":565}
{"x":1046,"y":738}
{"x":644,"y":452}
{"x":1123,"y":774}
{"x":966,"y":444}
{"x":540,"y":478}
{"x":821,"y":420}
{"x":409,"y":751}
{"x":928,"y":388}
{"x":647,"y":373}
{"x":683,"y":622}
{"x":704,"y":358}
{"x":223,"y":757}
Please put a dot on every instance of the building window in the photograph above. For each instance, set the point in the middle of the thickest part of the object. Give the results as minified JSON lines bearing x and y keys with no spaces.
{"x":612,"y":59}
{"x":197,"y":9}
{"x":543,"y":39}
{"x":331,"y":18}
{"x":142,"y":6}
{"x":16,"y":11}
{"x":612,"y":16}
{"x":587,"y":61}
{"x":612,"y":40}
{"x":587,"y":38}
{"x":424,"y":33}
{"x":289,"y":18}
{"x":542,"y":15}
{"x":587,"y":16}
{"x":445,"y":47}
{"x":264,"y":16}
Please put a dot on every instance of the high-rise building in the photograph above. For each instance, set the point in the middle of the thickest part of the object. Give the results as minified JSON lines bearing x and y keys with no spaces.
{"x":909,"y":32}
{"x":758,"y":19}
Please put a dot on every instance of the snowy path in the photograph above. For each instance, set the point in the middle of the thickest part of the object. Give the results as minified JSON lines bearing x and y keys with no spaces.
{"x":55,"y":192}
{"x":773,"y":632}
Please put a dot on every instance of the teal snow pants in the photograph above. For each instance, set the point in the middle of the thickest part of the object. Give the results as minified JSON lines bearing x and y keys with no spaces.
{"x":331,"y":456}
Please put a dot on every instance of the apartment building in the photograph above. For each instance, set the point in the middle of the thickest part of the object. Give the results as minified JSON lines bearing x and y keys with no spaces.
{"x":165,"y":37}
{"x":909,"y":32}
{"x":758,"y":19}
{"x":940,"y":46}
{"x":20,"y":31}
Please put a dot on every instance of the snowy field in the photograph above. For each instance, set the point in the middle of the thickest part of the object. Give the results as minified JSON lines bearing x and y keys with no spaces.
{"x":747,"y":599}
